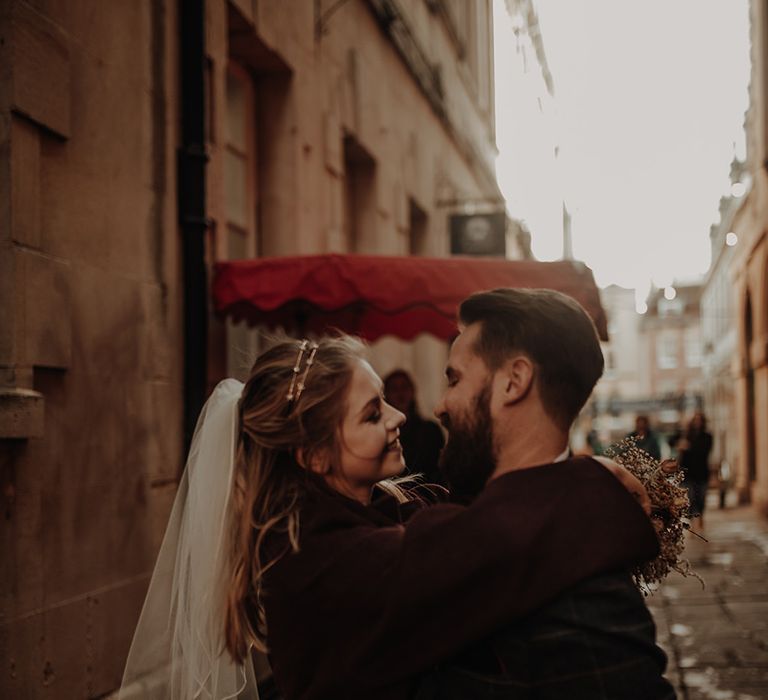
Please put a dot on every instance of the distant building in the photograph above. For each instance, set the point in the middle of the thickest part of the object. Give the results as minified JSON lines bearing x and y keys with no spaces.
{"x":653,"y":364}
{"x":620,"y":384}
{"x":670,"y":357}
{"x":750,"y":279}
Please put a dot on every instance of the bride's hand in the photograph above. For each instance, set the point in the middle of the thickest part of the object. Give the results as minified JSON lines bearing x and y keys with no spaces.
{"x":629,"y":481}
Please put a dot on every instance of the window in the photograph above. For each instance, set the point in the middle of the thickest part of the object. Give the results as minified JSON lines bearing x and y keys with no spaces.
{"x":666,"y":351}
{"x":470,"y":26}
{"x":456,"y":19}
{"x":240,"y":164}
{"x":670,"y":307}
{"x":240,"y":188}
{"x":359,"y":196}
{"x":417,"y":229}
{"x":483,"y":49}
{"x":692,"y":348}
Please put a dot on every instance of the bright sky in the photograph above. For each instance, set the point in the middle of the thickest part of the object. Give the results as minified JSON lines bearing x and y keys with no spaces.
{"x":649,"y":101}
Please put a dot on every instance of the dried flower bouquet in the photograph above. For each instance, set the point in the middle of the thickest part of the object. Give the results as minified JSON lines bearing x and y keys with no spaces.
{"x":670,"y":511}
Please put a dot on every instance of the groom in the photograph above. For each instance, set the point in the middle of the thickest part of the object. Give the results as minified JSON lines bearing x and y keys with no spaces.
{"x":518,"y":374}
{"x":393,"y":600}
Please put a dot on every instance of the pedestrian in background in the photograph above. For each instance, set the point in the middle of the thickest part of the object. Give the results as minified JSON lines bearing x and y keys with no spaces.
{"x":422,"y":439}
{"x":593,"y":440}
{"x":694,"y":450}
{"x":645,"y":438}
{"x":673,"y":440}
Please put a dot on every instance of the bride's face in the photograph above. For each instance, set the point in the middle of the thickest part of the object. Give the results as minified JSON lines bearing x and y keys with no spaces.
{"x":368,"y":437}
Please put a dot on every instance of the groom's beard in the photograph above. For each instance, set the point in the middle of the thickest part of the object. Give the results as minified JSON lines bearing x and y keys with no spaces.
{"x":468,"y":458}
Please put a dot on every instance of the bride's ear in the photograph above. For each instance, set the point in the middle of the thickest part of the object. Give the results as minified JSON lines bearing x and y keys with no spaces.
{"x":317,"y":462}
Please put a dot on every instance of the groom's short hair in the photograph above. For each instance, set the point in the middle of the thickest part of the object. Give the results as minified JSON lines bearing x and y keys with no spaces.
{"x":551,"y":329}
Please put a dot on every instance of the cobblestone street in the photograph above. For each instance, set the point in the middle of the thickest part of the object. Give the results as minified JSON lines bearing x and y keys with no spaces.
{"x":717,"y":636}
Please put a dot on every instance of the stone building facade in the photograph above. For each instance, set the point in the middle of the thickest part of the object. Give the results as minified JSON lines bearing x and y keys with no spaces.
{"x":374,"y":122}
{"x":90,"y":333}
{"x":719,"y":347}
{"x":750,"y":278}
{"x":139,"y":143}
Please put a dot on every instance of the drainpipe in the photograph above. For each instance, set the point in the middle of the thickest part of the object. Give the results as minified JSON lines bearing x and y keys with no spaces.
{"x":192,"y":159}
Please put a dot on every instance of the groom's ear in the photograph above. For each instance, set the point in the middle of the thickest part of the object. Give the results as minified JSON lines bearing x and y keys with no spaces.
{"x":515,"y":379}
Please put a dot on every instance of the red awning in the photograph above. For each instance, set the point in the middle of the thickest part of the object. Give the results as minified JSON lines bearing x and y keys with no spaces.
{"x":373,"y":295}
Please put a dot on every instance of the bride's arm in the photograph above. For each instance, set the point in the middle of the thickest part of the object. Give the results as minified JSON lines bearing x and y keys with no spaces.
{"x":629,"y":481}
{"x":400,"y":599}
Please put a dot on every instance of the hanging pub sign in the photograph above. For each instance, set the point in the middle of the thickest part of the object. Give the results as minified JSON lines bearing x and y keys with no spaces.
{"x":479,"y":234}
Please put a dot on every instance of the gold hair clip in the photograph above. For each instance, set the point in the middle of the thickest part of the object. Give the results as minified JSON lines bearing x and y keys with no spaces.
{"x":302,"y":383}
{"x":296,"y":368}
{"x":295,"y":390}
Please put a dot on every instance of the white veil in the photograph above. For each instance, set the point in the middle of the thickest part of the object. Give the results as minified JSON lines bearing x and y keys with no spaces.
{"x":178,"y":647}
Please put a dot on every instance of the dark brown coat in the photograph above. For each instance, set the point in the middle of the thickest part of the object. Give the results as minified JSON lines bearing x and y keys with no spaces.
{"x":379,"y":594}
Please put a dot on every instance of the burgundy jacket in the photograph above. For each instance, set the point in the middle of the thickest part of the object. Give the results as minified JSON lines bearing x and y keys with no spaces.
{"x":379,"y":594}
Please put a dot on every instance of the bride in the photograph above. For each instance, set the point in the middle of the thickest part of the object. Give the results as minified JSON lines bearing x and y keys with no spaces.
{"x":289,"y":537}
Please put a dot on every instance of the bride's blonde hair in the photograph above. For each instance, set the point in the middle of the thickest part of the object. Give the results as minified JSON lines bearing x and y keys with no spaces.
{"x":266,"y":482}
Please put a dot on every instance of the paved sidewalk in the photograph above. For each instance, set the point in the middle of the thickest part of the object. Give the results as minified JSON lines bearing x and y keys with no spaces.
{"x":717,"y":637}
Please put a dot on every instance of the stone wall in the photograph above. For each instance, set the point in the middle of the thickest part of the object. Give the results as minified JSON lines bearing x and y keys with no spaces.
{"x":91,"y":345}
{"x":750,"y":276}
{"x":90,"y":332}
